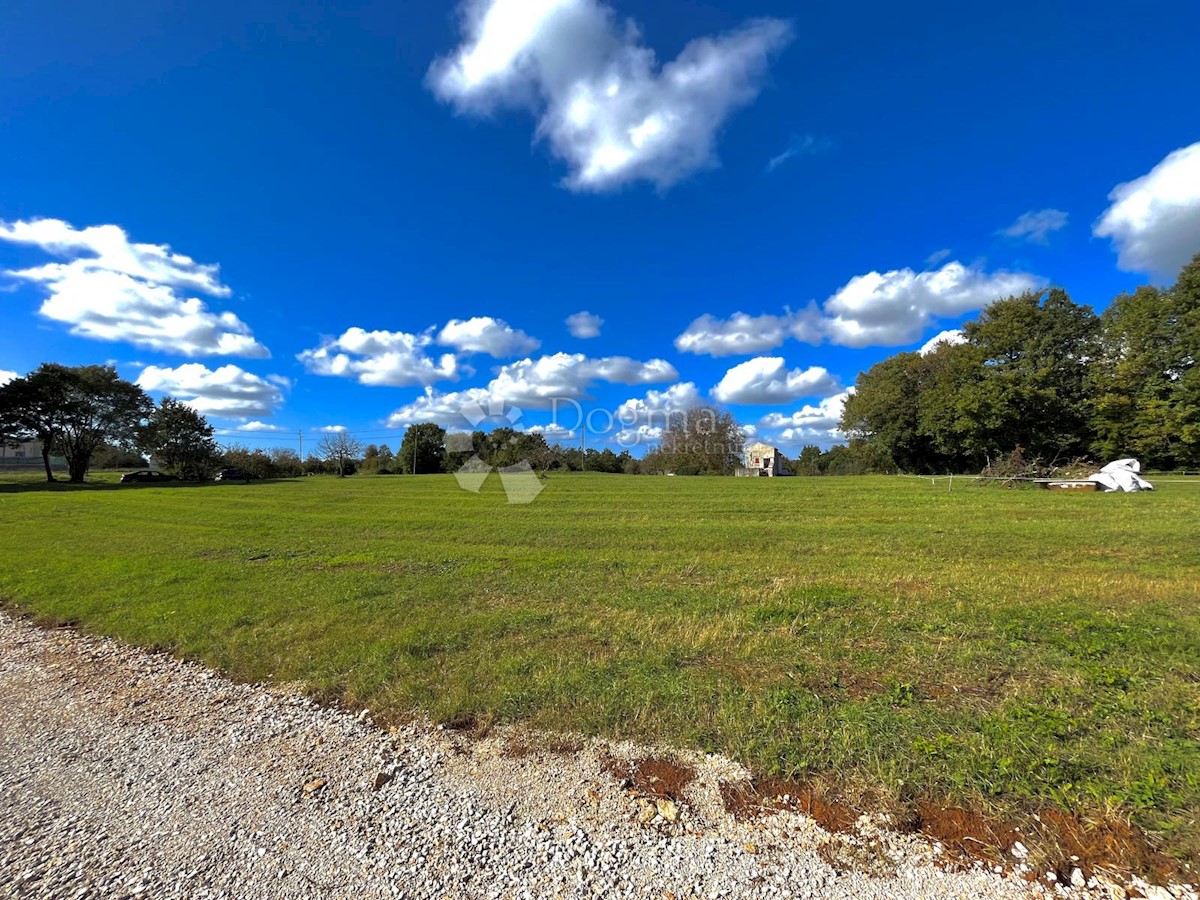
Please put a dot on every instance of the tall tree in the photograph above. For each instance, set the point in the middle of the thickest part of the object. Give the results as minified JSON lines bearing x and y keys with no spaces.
{"x":386,"y":458}
{"x":339,"y":450}
{"x":370,"y":462}
{"x":952,"y":410}
{"x":1035,"y":391}
{"x":884,"y":410}
{"x":808,"y":462}
{"x":31,"y":409}
{"x":76,"y":410}
{"x":1147,"y":375}
{"x":423,"y":449}
{"x":702,"y":439}
{"x":1020,"y":380}
{"x":181,"y":439}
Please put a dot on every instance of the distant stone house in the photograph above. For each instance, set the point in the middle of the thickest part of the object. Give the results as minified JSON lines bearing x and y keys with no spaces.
{"x":762,"y":461}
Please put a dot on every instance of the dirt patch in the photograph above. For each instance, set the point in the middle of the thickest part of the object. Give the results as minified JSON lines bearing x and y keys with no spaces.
{"x":855,"y":685}
{"x":470,"y":724}
{"x":660,"y":779}
{"x":526,"y":746}
{"x":1056,"y":841}
{"x":989,"y":688}
{"x":763,"y":796}
{"x":965,"y":834}
{"x":1107,"y":847}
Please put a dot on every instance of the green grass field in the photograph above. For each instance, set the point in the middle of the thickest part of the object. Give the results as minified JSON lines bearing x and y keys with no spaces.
{"x":883,"y":638}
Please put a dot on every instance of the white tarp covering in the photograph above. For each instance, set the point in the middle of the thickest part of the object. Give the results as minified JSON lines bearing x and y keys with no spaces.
{"x":1122,"y":475}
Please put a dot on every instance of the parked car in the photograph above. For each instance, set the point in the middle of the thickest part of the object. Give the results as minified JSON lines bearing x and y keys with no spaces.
{"x":232,"y":474}
{"x":146,"y":476}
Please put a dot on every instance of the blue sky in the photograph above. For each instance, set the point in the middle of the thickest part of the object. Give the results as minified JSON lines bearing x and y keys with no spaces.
{"x":299,"y":218}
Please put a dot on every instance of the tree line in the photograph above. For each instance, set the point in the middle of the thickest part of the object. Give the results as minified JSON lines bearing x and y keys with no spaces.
{"x":92,"y":417}
{"x":1045,"y":376}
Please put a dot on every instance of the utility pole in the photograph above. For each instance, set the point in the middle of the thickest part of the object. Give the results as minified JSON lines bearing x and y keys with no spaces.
{"x":300,"y":435}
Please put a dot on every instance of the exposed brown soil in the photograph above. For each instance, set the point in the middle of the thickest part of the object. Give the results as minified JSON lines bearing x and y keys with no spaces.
{"x":470,"y":724}
{"x":520,"y":748}
{"x":964,"y":833}
{"x":660,"y":779}
{"x":763,"y":796}
{"x":1108,"y":847}
{"x":990,"y":688}
{"x":1056,"y":841}
{"x":856,"y":685}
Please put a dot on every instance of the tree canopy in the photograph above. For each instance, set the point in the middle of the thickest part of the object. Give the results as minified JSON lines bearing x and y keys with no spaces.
{"x":74,"y":410}
{"x":423,"y":449}
{"x":340,"y":450}
{"x":181,"y":440}
{"x":1045,"y":374}
{"x":700,"y":441}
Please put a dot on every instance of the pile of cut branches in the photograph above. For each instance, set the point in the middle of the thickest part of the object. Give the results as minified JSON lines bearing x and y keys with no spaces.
{"x":1018,"y":469}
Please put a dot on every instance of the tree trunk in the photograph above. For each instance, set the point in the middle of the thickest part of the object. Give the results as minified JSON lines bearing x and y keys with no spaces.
{"x":46,"y":461}
{"x":78,"y":467}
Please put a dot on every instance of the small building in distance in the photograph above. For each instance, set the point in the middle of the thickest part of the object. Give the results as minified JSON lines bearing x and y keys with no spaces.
{"x":23,"y":450}
{"x":26,"y":455}
{"x":762,"y":461}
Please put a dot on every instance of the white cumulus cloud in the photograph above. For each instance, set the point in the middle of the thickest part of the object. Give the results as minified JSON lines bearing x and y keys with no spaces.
{"x":483,"y":334}
{"x":809,"y":424}
{"x":330,"y":429}
{"x":657,"y":407}
{"x":261,"y":426}
{"x":445,"y":409}
{"x":393,"y":358}
{"x":895,"y":307}
{"x":1035,"y":226}
{"x":767,"y":379}
{"x":640,"y":435}
{"x":6,"y":376}
{"x":1154,"y":220}
{"x":533,"y":384}
{"x":552,"y":432}
{"x":228,"y":392}
{"x":642,"y":420}
{"x":604,"y":103}
{"x":742,"y":334}
{"x":584,"y":325}
{"x":876,"y":309}
{"x":112,"y":289}
{"x":953,"y":336}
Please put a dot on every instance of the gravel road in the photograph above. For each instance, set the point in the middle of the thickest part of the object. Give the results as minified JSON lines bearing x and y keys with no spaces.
{"x":126,"y":773}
